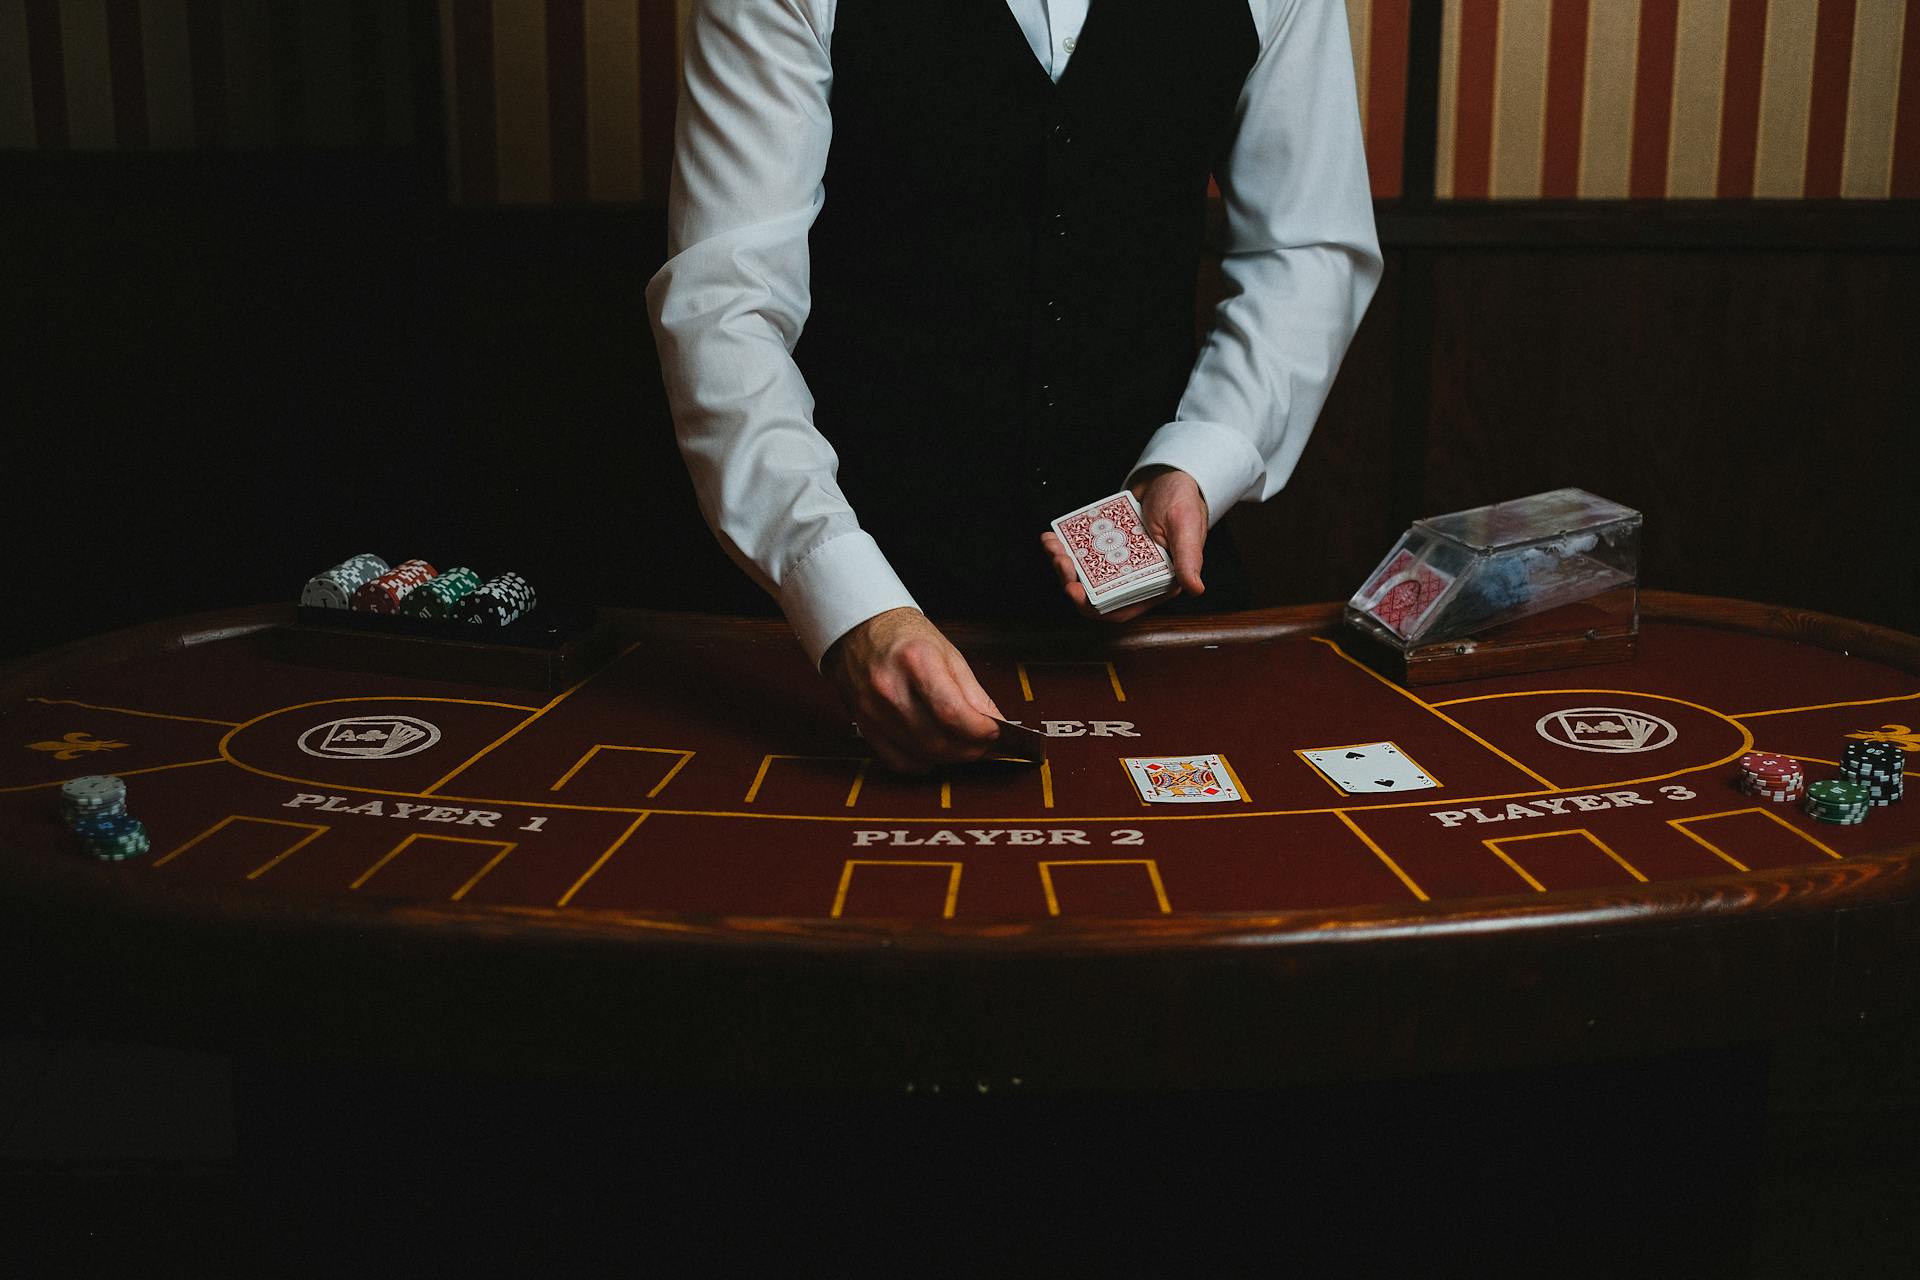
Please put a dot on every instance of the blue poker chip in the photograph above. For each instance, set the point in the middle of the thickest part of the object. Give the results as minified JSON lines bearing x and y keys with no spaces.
{"x":132,"y":842}
{"x":104,"y":826}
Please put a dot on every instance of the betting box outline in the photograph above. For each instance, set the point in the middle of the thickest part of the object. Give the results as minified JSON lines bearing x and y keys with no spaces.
{"x":642,"y":812}
{"x":431,"y":793}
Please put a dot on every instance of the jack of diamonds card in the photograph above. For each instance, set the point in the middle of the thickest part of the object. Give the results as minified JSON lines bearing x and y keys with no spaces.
{"x":1183,"y":779}
{"x":1109,"y":544}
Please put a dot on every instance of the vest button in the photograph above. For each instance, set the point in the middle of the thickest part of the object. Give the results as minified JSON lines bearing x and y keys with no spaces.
{"x":1062,"y":134}
{"x":1060,"y":226}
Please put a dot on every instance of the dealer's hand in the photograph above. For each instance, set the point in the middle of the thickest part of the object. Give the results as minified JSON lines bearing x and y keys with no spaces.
{"x":1175,"y":516}
{"x":914,"y":695}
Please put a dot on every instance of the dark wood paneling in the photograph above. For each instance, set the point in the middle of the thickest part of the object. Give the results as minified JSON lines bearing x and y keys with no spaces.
{"x":261,"y":363}
{"x":1715,"y":226}
{"x":1758,"y":407}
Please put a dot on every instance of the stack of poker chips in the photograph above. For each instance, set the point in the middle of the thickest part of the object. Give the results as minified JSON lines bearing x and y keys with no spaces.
{"x":436,"y":599}
{"x":1880,"y":767}
{"x":1839,"y":801}
{"x":96,"y":810}
{"x":1772,"y":777}
{"x":500,"y":601}
{"x":384,"y":594}
{"x":334,"y":589}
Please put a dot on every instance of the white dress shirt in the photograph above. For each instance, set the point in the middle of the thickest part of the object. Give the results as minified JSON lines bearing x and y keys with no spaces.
{"x":750,"y":152}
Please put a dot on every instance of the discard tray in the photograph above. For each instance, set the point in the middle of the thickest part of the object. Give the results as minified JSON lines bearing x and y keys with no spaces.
{"x":550,"y":649}
{"x":1600,"y":629}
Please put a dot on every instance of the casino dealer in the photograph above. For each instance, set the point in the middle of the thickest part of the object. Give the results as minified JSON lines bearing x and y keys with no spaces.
{"x":903,"y":332}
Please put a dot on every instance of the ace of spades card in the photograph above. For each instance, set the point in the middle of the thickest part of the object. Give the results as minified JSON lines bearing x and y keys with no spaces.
{"x":1369,"y":768}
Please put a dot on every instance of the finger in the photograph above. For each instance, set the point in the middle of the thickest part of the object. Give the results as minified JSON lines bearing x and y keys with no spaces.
{"x":1129,"y":613}
{"x":961,"y":726}
{"x":1188,"y":550}
{"x":1077,"y":594}
{"x":956,"y":747}
{"x":939,"y":719}
{"x":977,"y":699}
{"x":917,"y":729}
{"x":892,"y":709}
{"x":1070,"y":578}
{"x":964,"y":731}
{"x":896,"y":751}
{"x":1062,"y":562}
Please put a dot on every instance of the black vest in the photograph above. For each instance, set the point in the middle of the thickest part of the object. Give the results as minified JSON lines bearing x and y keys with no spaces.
{"x":1003,"y":273}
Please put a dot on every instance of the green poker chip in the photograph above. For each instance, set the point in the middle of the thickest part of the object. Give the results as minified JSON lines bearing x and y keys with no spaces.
{"x":116,"y":839}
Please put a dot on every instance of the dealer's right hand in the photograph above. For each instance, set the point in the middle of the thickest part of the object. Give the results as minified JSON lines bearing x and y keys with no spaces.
{"x":912,"y":692}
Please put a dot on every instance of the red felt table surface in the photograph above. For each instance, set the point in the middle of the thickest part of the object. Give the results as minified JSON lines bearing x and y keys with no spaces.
{"x":700,"y":807}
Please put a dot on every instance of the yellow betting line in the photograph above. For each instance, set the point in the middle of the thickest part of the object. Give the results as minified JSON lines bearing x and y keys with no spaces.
{"x":118,"y":773}
{"x":1434,"y":711}
{"x":1826,"y":706}
{"x":130,"y":711}
{"x":1513,"y":866}
{"x":1382,"y":854}
{"x":1127,"y":818}
{"x":510,"y":734}
{"x":601,"y":861}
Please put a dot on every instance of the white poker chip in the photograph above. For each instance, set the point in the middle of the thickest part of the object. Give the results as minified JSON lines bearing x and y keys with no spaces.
{"x":94,"y":791}
{"x":334,"y":588}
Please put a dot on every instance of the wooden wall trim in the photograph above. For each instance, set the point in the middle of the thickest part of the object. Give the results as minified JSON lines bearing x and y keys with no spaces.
{"x":1653,"y":224}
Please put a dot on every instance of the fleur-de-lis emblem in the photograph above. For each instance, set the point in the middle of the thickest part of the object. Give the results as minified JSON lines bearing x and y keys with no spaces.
{"x":1895,"y":733}
{"x":74,"y":745}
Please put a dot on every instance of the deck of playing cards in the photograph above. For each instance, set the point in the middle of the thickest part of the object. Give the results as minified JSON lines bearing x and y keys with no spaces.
{"x":1117,"y":562}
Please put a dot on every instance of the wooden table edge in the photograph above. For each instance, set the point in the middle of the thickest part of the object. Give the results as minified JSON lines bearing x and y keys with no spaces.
{"x":1889,"y":876}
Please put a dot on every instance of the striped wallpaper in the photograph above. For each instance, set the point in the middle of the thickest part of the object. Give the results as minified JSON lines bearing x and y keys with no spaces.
{"x":561,"y":100}
{"x":1379,"y":31}
{"x":1685,"y":99}
{"x":568,"y":101}
{"x":179,"y":74}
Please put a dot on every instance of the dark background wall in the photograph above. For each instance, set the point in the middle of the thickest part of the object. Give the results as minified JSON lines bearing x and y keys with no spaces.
{"x":1745,"y":377}
{"x":223,"y":381}
{"x":281,"y":321}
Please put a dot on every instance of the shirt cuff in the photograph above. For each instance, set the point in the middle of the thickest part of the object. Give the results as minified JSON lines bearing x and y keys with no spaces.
{"x":1222,"y":461}
{"x":839,"y":585}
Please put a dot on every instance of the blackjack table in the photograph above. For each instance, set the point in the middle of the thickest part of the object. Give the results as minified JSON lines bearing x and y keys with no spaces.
{"x":684,"y":866}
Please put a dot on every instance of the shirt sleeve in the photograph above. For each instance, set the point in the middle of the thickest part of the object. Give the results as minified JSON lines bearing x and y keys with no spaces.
{"x":1301,"y":263}
{"x":750,"y":154}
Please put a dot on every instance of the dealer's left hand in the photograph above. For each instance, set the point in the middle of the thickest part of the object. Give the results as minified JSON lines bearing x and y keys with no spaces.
{"x":1175,"y":516}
